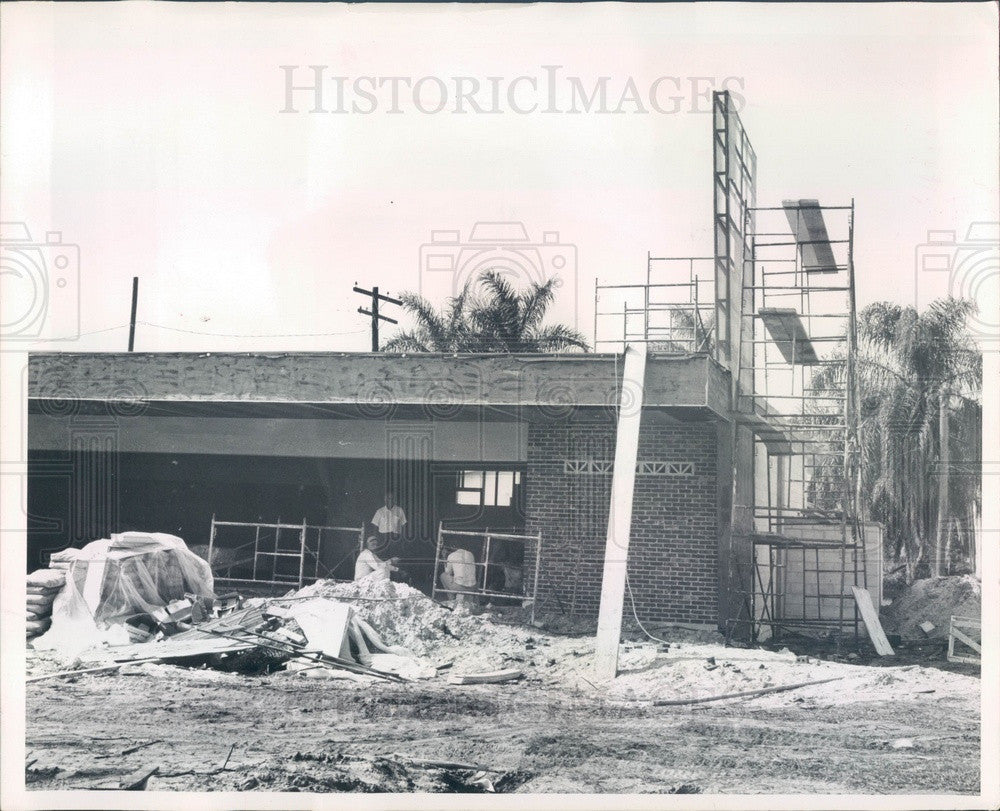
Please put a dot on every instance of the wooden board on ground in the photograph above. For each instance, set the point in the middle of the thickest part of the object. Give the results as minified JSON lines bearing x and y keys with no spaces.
{"x":495,"y":677}
{"x":173,"y":648}
{"x":872,"y":625}
{"x":963,"y":631}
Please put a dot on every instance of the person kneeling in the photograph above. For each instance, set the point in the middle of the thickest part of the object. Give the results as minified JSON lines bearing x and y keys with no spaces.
{"x":370,"y":560}
{"x":459,"y":576}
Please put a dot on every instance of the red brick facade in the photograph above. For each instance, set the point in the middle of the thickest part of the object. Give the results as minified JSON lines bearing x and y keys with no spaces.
{"x":673,"y":553}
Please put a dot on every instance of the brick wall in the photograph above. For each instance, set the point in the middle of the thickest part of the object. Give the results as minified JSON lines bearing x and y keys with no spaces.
{"x":673,"y":553}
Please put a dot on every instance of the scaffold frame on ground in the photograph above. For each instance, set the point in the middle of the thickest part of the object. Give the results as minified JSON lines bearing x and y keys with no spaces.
{"x":483,"y":562}
{"x":303,"y":550}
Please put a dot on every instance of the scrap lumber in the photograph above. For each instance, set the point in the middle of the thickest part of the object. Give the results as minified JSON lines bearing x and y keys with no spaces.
{"x":364,"y":656}
{"x":494,"y":677}
{"x":870,"y":617}
{"x":957,"y":633}
{"x":310,"y":656}
{"x":376,"y":640}
{"x":428,"y":763}
{"x":744,"y":694}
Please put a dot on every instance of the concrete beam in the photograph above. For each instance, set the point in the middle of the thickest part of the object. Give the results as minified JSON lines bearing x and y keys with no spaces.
{"x":369,"y":381}
{"x":613,"y":582}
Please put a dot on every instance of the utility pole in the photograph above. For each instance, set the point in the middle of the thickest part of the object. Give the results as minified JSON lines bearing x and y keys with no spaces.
{"x":135,"y":304}
{"x":374,"y":313}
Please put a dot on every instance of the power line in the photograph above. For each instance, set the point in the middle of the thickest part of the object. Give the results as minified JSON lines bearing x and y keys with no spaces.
{"x":202,"y":332}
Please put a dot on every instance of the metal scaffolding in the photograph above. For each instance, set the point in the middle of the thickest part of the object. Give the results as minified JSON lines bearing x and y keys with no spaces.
{"x":673,"y":311}
{"x":799,"y":318}
{"x":276,"y":553}
{"x":484,"y":560}
{"x":775,"y":306}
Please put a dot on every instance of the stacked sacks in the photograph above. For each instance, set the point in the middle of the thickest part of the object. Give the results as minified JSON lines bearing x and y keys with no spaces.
{"x":43,"y":586}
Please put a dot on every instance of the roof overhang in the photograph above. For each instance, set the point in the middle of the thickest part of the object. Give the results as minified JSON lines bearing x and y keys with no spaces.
{"x":370,"y":384}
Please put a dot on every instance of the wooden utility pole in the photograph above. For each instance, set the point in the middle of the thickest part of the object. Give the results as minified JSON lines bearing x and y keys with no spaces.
{"x":135,"y":304}
{"x":374,"y":313}
{"x":609,"y":620}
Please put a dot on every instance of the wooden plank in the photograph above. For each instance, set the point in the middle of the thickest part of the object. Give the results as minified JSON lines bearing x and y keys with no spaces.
{"x":494,"y":677}
{"x":609,"y":621}
{"x":789,"y":334}
{"x":806,"y":220}
{"x":872,"y":625}
{"x":763,"y":691}
{"x":171,"y":648}
{"x":967,"y":640}
{"x":957,"y":635}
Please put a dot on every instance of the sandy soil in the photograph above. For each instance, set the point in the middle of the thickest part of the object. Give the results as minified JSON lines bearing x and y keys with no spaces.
{"x":897,"y":726}
{"x":287,"y":732}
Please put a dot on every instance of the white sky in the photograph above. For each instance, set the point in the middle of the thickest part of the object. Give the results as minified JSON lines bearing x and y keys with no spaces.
{"x":149,"y":135}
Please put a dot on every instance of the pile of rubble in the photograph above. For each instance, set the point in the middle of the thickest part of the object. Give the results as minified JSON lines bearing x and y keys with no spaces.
{"x":141,"y":597}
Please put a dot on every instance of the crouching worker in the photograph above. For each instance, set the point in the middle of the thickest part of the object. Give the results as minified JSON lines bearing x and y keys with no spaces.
{"x":459,"y":575}
{"x":370,"y":560}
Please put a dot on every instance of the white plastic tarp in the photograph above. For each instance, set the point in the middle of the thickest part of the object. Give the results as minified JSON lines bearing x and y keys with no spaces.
{"x":115,"y":578}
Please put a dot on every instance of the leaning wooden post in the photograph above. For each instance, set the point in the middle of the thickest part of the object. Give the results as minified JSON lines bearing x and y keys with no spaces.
{"x":609,"y":622}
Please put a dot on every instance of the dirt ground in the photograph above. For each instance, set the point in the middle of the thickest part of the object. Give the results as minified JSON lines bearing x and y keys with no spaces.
{"x":901,"y":725}
{"x":209,"y":731}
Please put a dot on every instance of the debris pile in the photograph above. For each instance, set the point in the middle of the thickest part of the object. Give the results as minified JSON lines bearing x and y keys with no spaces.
{"x":371,"y":628}
{"x":43,"y":586}
{"x":924,"y":610}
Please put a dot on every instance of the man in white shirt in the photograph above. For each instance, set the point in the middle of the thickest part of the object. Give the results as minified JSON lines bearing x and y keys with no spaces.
{"x":459,"y":574}
{"x":370,"y":560}
{"x":390,"y":519}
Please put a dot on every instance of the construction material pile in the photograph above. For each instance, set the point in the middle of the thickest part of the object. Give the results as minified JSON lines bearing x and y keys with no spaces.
{"x":116,"y":579}
{"x":42,"y":588}
{"x":368,"y":629}
{"x":405,"y":616}
{"x":300,"y":633}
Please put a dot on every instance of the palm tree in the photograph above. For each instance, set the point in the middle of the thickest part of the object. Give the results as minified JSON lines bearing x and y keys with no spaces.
{"x":924,"y":380}
{"x":447,"y":330}
{"x":488,"y":315}
{"x":919,"y":380}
